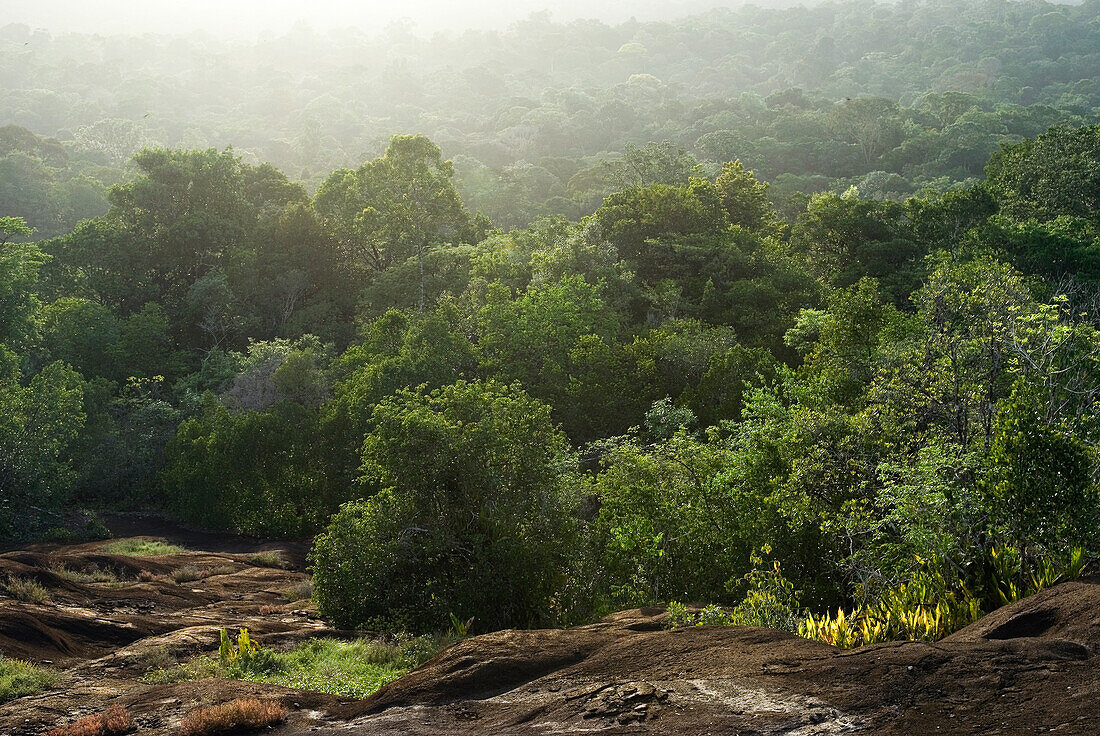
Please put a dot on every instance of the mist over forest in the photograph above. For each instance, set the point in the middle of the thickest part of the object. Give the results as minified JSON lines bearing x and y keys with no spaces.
{"x":525,"y":317}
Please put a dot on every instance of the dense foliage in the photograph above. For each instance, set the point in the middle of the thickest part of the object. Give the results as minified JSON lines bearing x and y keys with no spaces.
{"x":671,"y":380}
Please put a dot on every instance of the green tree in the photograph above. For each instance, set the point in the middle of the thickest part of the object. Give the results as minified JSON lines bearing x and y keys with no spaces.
{"x":473,"y":515}
{"x":1040,"y":479}
{"x":394,"y":207}
{"x":1057,"y":173}
{"x":38,"y":425}
{"x":744,"y":198}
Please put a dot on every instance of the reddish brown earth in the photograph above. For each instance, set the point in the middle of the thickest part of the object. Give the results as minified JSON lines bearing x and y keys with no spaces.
{"x":1029,"y":668}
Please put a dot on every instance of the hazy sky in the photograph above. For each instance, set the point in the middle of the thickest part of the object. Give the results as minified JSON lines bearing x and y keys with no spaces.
{"x":252,"y":17}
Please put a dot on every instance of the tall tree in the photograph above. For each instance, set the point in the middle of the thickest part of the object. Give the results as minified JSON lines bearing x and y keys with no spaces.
{"x":394,"y":207}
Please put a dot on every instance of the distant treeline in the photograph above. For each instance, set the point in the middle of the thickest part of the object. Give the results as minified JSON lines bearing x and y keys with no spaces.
{"x":893,"y":98}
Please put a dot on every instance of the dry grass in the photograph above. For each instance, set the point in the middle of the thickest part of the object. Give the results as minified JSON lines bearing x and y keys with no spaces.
{"x":186,"y":574}
{"x":299,"y":591}
{"x":114,"y":720}
{"x":236,"y":715}
{"x":26,"y":590}
{"x":92,"y":574}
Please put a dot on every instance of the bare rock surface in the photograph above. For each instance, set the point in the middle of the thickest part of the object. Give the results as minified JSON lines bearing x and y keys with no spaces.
{"x":1028,"y":668}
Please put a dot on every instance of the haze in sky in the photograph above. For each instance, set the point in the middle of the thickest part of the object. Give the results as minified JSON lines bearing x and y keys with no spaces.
{"x":251,"y":17}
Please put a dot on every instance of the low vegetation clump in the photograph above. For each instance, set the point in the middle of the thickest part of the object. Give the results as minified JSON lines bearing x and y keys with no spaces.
{"x":93,"y":574}
{"x":299,"y":591}
{"x":243,"y":714}
{"x":19,"y":678}
{"x":111,"y":722}
{"x":27,"y":590}
{"x":142,"y":548}
{"x":268,"y":558}
{"x":927,"y":607}
{"x":186,"y":574}
{"x":351,"y":668}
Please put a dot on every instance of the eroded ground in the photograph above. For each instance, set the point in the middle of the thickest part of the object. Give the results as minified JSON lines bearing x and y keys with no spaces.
{"x":1029,"y":668}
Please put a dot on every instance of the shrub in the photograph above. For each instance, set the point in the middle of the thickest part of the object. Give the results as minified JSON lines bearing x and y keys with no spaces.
{"x":236,"y":715}
{"x":114,"y":720}
{"x":26,"y":590}
{"x":475,"y":517}
{"x":141,"y":548}
{"x":19,"y":678}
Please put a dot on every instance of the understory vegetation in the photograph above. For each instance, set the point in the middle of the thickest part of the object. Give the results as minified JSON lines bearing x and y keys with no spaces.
{"x":820,"y":350}
{"x":135,"y":547}
{"x":352,"y":668}
{"x":241,"y":715}
{"x":19,"y":678}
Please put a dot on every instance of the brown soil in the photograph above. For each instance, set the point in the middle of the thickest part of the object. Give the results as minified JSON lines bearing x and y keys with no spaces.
{"x":1028,"y":668}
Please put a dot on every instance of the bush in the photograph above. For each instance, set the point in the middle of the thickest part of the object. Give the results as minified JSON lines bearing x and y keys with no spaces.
{"x":236,"y":715}
{"x":474,"y":519}
{"x":115,"y":720}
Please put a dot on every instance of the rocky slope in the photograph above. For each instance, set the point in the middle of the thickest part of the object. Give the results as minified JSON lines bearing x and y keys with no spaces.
{"x":1029,"y":668}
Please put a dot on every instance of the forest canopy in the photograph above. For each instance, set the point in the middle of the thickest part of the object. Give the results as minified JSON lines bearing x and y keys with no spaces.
{"x":760,"y":308}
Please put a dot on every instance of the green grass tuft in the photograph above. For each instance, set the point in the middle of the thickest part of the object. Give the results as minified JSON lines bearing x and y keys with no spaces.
{"x":270,"y":558}
{"x":19,"y":678}
{"x":141,"y":548}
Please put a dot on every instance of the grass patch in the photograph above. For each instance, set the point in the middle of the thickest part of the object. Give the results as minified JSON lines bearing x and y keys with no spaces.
{"x":141,"y":548}
{"x":26,"y":590}
{"x":299,"y":591}
{"x":19,"y":678}
{"x":245,"y":714}
{"x":355,"y":668}
{"x":111,"y":722}
{"x":186,"y":574}
{"x":270,"y":558}
{"x":91,"y":575}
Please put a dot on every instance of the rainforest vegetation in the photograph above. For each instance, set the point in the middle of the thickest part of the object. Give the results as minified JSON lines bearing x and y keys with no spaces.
{"x":782,"y":310}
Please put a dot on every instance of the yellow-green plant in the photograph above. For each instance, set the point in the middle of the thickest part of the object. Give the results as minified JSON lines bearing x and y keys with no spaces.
{"x":929,"y":606}
{"x":241,"y":653}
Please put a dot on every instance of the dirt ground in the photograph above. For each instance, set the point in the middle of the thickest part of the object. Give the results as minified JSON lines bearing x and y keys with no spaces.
{"x":1028,"y":668}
